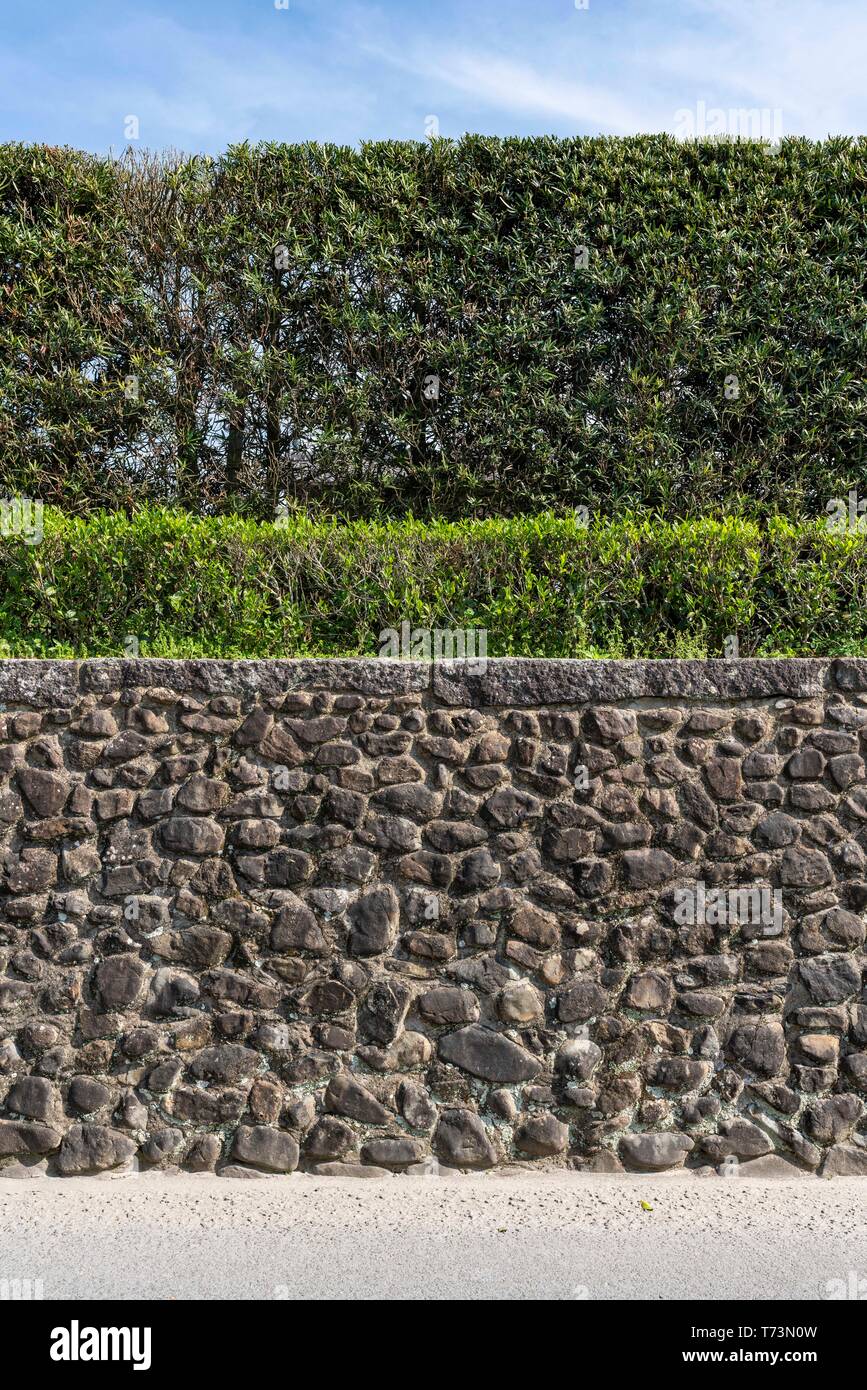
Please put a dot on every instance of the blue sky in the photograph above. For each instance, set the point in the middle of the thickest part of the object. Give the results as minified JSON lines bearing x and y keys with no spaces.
{"x":202,"y":74}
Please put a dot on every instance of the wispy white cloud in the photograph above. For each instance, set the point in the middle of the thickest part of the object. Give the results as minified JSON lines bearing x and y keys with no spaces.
{"x":805,"y":58}
{"x":189,"y":87}
{"x":508,"y":85}
{"x":365,"y":69}
{"x":799,"y":57}
{"x":202,"y":86}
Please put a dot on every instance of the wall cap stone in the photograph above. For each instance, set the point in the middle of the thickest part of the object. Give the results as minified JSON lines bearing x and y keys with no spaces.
{"x":505,"y":681}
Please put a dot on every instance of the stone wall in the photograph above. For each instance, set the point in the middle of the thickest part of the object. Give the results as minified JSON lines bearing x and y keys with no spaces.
{"x":321,"y":914}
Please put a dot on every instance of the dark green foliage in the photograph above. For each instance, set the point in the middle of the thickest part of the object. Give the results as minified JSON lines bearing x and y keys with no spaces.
{"x":302,"y":382}
{"x":541,"y":586}
{"x":68,"y":322}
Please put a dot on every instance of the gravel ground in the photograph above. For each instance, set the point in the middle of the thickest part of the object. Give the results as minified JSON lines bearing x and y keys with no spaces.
{"x":549,"y":1236}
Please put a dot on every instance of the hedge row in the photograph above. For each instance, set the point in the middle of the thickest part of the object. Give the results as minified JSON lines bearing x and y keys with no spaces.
{"x":540,"y":586}
{"x":488,"y":327}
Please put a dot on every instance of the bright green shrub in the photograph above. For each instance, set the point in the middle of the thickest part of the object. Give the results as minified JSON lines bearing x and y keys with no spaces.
{"x":541,"y":586}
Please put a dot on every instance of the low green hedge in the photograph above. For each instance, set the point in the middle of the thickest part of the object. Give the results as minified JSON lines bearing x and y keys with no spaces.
{"x":540,"y":586}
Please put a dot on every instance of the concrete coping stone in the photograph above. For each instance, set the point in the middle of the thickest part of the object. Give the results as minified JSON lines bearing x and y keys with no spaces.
{"x":503,"y":681}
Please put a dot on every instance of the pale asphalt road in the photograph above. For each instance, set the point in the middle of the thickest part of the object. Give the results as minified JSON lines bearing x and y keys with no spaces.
{"x":542,"y":1236}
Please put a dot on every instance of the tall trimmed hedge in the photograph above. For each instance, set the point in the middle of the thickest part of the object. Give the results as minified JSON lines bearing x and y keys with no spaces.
{"x":540,"y":586}
{"x":256,"y":331}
